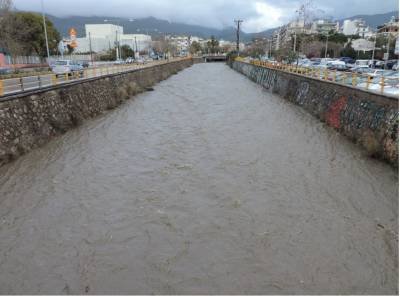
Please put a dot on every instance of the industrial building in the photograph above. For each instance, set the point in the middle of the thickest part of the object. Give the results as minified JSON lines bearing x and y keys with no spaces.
{"x":103,"y":37}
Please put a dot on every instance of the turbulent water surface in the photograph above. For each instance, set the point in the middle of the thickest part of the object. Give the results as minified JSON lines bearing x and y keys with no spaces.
{"x":209,"y":184}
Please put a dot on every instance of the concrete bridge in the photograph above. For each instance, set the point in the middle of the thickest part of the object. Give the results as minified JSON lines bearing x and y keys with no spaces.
{"x":214,"y":58}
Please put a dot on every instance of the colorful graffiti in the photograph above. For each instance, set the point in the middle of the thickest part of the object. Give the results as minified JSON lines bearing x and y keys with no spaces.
{"x":354,"y":113}
{"x":334,"y":114}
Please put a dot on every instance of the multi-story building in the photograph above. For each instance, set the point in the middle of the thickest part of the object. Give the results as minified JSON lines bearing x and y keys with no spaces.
{"x":357,"y":27}
{"x":391,"y":27}
{"x":181,"y":43}
{"x":283,"y":37}
{"x":324,"y":27}
{"x":103,"y":37}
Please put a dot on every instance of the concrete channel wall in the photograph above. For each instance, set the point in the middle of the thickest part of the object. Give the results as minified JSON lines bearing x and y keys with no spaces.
{"x":33,"y":118}
{"x":369,"y":119}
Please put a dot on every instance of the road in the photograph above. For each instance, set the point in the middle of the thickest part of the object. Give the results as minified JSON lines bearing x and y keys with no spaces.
{"x":207,"y":185}
{"x":16,"y":85}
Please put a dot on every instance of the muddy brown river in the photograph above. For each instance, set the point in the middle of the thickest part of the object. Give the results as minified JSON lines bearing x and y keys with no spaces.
{"x":208,"y":184}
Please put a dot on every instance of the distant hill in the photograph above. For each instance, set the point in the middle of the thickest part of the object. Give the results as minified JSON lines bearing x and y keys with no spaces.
{"x":149,"y":25}
{"x":154,"y":26}
{"x":373,"y":20}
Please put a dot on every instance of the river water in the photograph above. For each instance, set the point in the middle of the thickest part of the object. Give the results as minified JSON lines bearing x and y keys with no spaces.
{"x":209,"y":184}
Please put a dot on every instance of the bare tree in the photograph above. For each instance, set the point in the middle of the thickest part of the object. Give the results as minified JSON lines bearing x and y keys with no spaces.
{"x":5,"y":7}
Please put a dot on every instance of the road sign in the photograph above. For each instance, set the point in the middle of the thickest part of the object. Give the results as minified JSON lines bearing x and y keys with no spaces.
{"x":385,"y":56}
{"x":72,"y":33}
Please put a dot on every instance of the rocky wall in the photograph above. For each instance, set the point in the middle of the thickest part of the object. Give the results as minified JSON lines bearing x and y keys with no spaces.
{"x":31,"y":119}
{"x":367,"y":118}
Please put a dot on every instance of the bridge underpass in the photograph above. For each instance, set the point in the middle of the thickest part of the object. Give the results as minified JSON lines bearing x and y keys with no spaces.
{"x":214,"y":58}
{"x":210,"y":185}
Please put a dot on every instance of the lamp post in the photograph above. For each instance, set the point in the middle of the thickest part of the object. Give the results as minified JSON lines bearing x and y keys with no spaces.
{"x":45,"y":32}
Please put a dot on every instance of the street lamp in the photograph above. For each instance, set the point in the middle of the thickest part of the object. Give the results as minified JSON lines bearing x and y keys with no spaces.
{"x":45,"y":33}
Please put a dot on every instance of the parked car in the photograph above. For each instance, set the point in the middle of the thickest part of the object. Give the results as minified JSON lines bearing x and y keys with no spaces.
{"x":69,"y":67}
{"x":5,"y":71}
{"x":361,"y":63}
{"x":140,"y":60}
{"x":361,"y":69}
{"x":348,"y":60}
{"x":391,"y":85}
{"x":130,"y":60}
{"x":390,"y":63}
{"x":379,"y":64}
{"x":340,"y":66}
{"x":396,"y":66}
{"x":375,"y":72}
{"x":119,"y":62}
{"x":85,"y":64}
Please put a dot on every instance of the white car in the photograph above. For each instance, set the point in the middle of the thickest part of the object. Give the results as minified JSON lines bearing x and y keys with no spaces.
{"x":359,"y":63}
{"x":376,"y":72}
{"x":119,"y":62}
{"x":68,"y":67}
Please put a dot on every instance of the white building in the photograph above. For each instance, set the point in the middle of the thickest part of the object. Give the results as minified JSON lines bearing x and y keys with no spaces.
{"x":180,"y":42}
{"x":324,"y":27}
{"x":362,"y":45}
{"x":138,"y":42}
{"x":104,"y":37}
{"x":357,"y":27}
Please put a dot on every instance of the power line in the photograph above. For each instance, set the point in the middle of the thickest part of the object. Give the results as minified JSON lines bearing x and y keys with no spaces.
{"x":238,"y":24}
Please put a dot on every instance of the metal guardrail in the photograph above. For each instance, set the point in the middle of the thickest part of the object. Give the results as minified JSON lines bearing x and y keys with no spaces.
{"x":21,"y":84}
{"x":361,"y":81}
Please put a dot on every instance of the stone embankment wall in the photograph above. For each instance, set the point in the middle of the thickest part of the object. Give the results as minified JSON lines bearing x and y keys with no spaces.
{"x":372,"y":120}
{"x":31,"y":119}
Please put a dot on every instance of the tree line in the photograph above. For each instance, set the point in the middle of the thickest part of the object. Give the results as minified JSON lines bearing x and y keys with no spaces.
{"x":22,"y":33}
{"x":339,"y":45}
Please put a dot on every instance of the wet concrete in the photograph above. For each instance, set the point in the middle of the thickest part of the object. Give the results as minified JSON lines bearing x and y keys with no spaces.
{"x":209,"y":184}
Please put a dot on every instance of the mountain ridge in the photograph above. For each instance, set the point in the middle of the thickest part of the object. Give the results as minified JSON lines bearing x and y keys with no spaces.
{"x":153,"y":26}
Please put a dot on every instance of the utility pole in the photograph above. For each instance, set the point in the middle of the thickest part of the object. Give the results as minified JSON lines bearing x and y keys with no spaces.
{"x":116,"y":45}
{"x":270,"y":49}
{"x":45,"y":33}
{"x":136,"y":49}
{"x":373,"y":51}
{"x":238,"y":24}
{"x":326,"y":45}
{"x":388,"y":51}
{"x":90,"y":47}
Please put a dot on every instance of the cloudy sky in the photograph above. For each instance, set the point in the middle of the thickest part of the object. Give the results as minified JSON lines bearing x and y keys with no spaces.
{"x":258,"y":14}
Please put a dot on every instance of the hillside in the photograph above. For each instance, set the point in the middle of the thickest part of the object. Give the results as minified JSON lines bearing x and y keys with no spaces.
{"x":153,"y":26}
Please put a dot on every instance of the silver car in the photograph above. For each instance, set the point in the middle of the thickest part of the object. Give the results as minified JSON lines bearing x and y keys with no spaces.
{"x":68,"y":67}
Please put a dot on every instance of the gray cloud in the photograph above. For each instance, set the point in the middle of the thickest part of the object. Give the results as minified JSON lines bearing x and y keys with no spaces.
{"x":258,"y":14}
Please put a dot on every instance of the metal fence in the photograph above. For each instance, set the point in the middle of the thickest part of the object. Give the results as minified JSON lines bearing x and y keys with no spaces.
{"x":17,"y":85}
{"x":377,"y":84}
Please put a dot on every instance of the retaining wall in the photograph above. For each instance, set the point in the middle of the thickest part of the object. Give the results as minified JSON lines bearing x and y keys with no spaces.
{"x":369,"y":119}
{"x":31,"y":119}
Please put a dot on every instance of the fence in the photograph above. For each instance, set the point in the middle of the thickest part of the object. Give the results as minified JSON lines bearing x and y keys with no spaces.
{"x":20,"y":61}
{"x":16,"y":85}
{"x":381,"y":84}
{"x":72,"y":57}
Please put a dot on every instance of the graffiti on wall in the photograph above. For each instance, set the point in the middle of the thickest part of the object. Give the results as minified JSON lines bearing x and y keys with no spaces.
{"x":351,"y":112}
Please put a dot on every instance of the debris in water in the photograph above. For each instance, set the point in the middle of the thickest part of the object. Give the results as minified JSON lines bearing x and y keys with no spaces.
{"x":380,"y":225}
